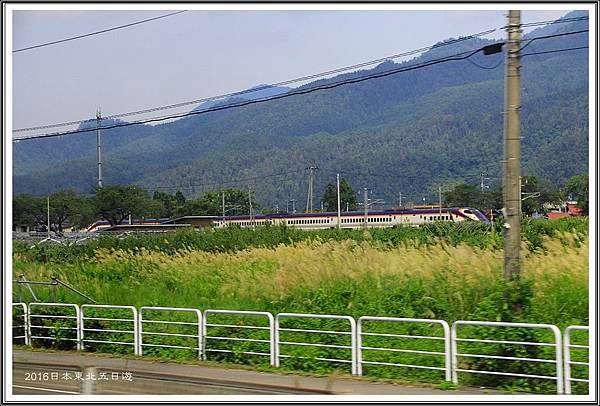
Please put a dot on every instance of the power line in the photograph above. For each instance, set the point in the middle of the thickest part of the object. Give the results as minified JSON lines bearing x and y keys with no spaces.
{"x":296,"y":92}
{"x":551,"y":22}
{"x":531,"y":40}
{"x":283,"y":83}
{"x":555,"y":50}
{"x":97,"y":32}
{"x":296,"y":80}
{"x":486,"y":67}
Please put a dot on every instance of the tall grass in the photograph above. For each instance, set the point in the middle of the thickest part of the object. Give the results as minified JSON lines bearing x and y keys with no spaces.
{"x":380,"y":273}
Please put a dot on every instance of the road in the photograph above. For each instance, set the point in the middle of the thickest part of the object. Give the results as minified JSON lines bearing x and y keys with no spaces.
{"x":71,"y":373}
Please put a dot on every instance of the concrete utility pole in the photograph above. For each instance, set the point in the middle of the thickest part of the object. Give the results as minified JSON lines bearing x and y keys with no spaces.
{"x":512,"y":149}
{"x":339,"y":204}
{"x":311,"y":179}
{"x":366,"y":204}
{"x":250,"y":206}
{"x":98,"y":151}
{"x":400,"y":200}
{"x":440,"y":198}
{"x":48,"y":216}
{"x":223,"y":203}
{"x":293,"y":206}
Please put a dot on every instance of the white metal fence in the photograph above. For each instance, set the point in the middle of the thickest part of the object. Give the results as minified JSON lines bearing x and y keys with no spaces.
{"x":21,"y":324}
{"x":236,"y":327}
{"x":351,"y":333}
{"x":158,"y":321}
{"x":457,"y":353}
{"x":557,"y":344}
{"x":569,"y":346}
{"x":55,"y":331}
{"x":445,"y":338}
{"x":109,"y":330}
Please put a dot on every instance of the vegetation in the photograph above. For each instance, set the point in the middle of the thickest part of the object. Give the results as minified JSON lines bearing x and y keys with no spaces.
{"x":432,"y":272}
{"x":347,"y":197}
{"x":404,"y":133}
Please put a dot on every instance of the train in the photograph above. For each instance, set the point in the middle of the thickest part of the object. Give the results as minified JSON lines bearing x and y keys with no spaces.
{"x":355,"y":219}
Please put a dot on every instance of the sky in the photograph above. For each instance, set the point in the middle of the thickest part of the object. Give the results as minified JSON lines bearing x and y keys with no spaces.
{"x":202,"y":53}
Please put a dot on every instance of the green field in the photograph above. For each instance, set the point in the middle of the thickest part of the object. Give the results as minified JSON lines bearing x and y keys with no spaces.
{"x":440,"y":272}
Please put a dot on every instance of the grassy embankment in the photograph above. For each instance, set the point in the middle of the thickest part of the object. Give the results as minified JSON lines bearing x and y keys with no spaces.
{"x":442,"y":272}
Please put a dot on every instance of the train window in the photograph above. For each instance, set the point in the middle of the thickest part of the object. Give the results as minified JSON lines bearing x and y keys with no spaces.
{"x":468,"y":211}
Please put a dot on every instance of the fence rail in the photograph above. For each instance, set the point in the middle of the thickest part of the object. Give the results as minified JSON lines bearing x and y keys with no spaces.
{"x":446,"y":339}
{"x":567,"y":356}
{"x":24,"y":319}
{"x":557,"y":344}
{"x":162,"y":322}
{"x":100,"y":308}
{"x":72,"y":318}
{"x":241,"y":313}
{"x":351,"y":333}
{"x":76,"y":318}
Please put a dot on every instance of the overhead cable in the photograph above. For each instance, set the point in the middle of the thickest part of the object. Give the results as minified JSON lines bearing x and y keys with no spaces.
{"x":96,"y":32}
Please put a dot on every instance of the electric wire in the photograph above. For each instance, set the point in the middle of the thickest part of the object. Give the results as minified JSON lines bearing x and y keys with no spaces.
{"x":554,"y":50}
{"x":291,"y":93}
{"x":531,"y":40}
{"x":303,"y":78}
{"x":296,"y":92}
{"x":486,"y":67}
{"x":97,"y":32}
{"x":551,"y":22}
{"x":267,"y":86}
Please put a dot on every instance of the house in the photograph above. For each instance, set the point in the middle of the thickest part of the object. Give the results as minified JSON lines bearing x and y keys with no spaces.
{"x":571,"y":210}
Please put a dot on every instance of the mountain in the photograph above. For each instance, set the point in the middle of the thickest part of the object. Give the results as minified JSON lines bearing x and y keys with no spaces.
{"x":407,"y":132}
{"x":254,"y":93}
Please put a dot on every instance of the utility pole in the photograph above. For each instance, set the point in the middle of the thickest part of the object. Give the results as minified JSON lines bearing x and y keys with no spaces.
{"x":293,"y":206}
{"x":223,"y":203}
{"x":48,"y":216}
{"x":366,"y":203}
{"x":440,"y":198}
{"x":250,"y":206}
{"x":98,"y":150}
{"x":339,"y":205}
{"x":311,"y":179}
{"x":400,"y":200}
{"x":512,"y":149}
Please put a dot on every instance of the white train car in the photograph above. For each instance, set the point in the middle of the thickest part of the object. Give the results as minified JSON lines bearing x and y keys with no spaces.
{"x":374,"y":219}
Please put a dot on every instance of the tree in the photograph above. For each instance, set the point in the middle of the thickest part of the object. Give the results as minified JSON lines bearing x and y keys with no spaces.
{"x":536,"y":194}
{"x":347,"y":197}
{"x":578,"y":188}
{"x":26,"y":210}
{"x":66,"y":205}
{"x":211,"y":204}
{"x":464,"y":195}
{"x":115,"y":203}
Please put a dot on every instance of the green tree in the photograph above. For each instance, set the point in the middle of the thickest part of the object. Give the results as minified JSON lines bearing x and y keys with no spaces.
{"x":68,"y":206}
{"x":347,"y":197}
{"x":26,"y":209}
{"x":115,"y":203}
{"x":211,"y":204}
{"x":578,"y":188}
{"x":537,"y":194}
{"x":464,"y":195}
{"x":166,"y":204}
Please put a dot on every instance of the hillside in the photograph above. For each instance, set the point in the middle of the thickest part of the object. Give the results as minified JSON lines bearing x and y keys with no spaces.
{"x":406,"y":132}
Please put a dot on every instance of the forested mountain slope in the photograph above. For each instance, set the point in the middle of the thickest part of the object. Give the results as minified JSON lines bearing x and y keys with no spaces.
{"x":406,"y":132}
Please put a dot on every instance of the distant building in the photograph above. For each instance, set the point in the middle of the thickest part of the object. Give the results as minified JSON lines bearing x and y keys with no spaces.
{"x":570,"y":210}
